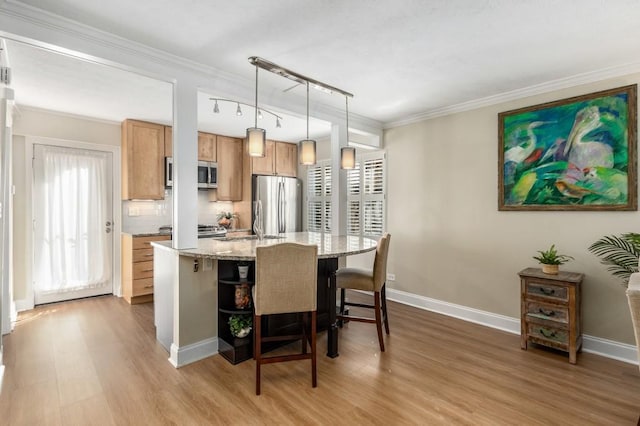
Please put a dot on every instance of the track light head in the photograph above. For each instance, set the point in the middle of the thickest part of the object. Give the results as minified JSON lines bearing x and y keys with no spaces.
{"x":238,"y":110}
{"x":216,"y":110}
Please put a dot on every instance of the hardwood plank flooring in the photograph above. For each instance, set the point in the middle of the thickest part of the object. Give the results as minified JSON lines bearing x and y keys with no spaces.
{"x":96,"y":362}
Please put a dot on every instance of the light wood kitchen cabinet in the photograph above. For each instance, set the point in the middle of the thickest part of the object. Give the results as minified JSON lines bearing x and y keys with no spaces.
{"x":207,"y":150}
{"x":168,"y":141}
{"x":264,"y":165}
{"x":286,"y":160}
{"x":229,"y":154}
{"x":137,"y":267}
{"x":281,"y":159}
{"x":206,"y":145}
{"x":142,"y":160}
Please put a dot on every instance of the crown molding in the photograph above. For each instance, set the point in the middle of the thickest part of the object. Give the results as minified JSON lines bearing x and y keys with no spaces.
{"x":550,"y":86}
{"x":211,"y":79}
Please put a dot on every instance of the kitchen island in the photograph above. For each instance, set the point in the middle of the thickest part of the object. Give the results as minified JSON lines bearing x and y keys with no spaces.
{"x":186,"y":287}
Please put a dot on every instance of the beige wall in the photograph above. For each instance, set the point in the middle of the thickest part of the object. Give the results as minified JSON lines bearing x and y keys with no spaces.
{"x":450,"y":242}
{"x":60,"y":126}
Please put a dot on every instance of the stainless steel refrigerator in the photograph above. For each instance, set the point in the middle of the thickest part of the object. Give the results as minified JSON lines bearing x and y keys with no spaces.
{"x":281,"y":199}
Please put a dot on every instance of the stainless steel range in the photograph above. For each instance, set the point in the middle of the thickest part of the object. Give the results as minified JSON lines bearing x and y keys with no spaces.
{"x":204,"y":231}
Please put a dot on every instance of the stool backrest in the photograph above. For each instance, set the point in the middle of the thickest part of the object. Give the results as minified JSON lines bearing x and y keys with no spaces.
{"x":380,"y":263}
{"x":286,"y":278}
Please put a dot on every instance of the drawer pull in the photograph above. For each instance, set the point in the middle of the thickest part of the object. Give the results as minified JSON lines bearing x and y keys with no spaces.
{"x":548,"y":313}
{"x":148,"y":286}
{"x":547,"y":291}
{"x":547,"y":333}
{"x":149,"y":255}
{"x":147,"y":270}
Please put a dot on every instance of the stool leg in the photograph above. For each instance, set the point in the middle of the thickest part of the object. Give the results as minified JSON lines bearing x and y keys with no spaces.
{"x":384,"y":308}
{"x":314,"y":375}
{"x":342,"y":300}
{"x":305,"y":323}
{"x":378,"y":309}
{"x":258,"y":348}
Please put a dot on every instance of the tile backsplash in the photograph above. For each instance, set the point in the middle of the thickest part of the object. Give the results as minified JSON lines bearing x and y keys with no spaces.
{"x":148,"y":216}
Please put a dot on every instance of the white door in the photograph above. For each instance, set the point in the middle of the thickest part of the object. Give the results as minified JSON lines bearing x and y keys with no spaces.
{"x":72,"y":205}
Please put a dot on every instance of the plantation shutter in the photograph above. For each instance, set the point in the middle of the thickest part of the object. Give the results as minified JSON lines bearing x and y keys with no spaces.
{"x":319,"y":197}
{"x":353,"y":200}
{"x":373,"y":198}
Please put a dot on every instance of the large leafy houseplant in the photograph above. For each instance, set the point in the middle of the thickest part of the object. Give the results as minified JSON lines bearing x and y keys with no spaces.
{"x":619,"y":253}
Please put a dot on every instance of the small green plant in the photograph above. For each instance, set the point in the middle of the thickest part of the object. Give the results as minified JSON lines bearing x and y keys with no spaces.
{"x":619,"y":253}
{"x":238,"y":323}
{"x":225,"y":215}
{"x":551,"y":257}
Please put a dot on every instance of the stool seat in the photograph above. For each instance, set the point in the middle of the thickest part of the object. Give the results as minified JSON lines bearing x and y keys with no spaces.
{"x":355,"y":278}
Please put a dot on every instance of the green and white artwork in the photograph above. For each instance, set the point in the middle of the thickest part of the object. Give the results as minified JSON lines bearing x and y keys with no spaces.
{"x":572,"y":154}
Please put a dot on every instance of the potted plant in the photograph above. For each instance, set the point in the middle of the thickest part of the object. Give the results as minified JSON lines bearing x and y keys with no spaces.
{"x":224,"y":218}
{"x":240,"y":325}
{"x":551,"y":260}
{"x":619,"y":253}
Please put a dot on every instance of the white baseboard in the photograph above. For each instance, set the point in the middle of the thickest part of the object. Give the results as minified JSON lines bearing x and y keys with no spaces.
{"x":24,"y":305}
{"x":181,"y":356}
{"x":596,"y":345}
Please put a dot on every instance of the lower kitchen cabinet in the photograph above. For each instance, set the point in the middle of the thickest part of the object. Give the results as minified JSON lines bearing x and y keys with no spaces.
{"x":137,"y":267}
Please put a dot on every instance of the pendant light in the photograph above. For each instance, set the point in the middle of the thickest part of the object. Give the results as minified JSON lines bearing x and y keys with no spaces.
{"x":257,"y":138}
{"x":348,"y":153}
{"x":307,"y":147}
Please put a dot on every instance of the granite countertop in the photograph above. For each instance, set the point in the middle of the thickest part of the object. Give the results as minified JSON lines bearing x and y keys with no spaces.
{"x":244,"y":248}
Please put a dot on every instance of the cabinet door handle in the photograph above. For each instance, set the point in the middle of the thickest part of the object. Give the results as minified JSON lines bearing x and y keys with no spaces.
{"x":547,"y":333}
{"x":548,"y":313}
{"x":148,"y":286}
{"x":147,"y":270}
{"x":547,"y":291}
{"x":149,"y":255}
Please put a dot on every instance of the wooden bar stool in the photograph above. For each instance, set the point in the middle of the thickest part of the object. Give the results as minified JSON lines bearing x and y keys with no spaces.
{"x":286,"y":282}
{"x":360,"y":279}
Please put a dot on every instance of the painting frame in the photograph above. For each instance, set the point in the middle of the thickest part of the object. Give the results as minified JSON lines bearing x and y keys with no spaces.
{"x":580,"y":163}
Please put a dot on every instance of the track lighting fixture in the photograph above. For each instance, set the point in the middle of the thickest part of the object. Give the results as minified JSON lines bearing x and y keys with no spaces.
{"x":216,"y":109}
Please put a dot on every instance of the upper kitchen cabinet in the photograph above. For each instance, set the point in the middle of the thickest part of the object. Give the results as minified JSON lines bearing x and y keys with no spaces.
{"x":206,"y":145}
{"x":142,"y":160}
{"x":286,"y":159}
{"x":281,"y":159}
{"x":207,"y":150}
{"x":229,"y":157}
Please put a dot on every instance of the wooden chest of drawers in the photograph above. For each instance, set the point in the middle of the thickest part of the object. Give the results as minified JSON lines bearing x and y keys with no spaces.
{"x":551,"y":312}
{"x":137,"y":267}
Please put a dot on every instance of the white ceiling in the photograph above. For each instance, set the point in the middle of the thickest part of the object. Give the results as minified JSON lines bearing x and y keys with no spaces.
{"x":400,"y":59}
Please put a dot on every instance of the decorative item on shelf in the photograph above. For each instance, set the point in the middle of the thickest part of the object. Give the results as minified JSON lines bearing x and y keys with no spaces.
{"x":243,"y":271}
{"x":240,"y":325}
{"x":242,"y":295}
{"x":257,"y":222}
{"x":551,"y":260}
{"x":619,"y":253}
{"x":225,"y":219}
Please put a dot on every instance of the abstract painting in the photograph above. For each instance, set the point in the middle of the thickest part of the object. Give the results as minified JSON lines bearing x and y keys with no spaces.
{"x":572,"y":154}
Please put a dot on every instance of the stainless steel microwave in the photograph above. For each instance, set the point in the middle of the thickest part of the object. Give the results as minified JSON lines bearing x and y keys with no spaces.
{"x":207,"y":174}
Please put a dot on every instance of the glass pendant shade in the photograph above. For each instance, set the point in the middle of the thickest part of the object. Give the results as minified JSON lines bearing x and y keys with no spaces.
{"x":257,"y":139}
{"x":348,"y":158}
{"x":307,"y":149}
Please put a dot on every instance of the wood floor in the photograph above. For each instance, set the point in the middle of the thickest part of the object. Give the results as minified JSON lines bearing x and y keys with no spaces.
{"x":96,"y":361}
